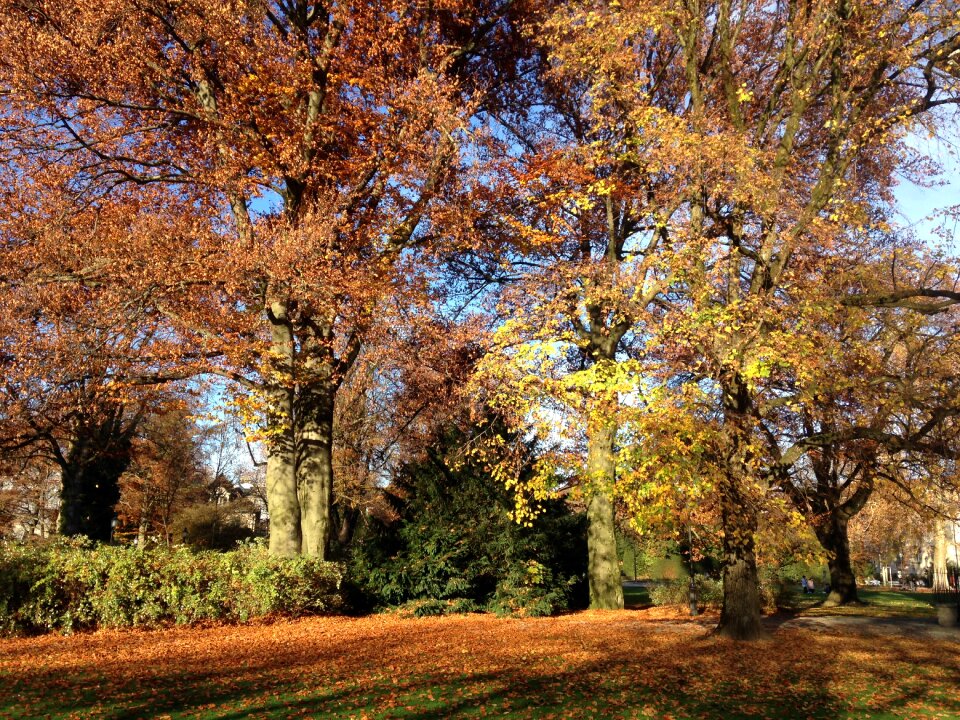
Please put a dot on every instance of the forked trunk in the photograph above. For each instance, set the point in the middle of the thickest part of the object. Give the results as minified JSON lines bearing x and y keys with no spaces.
{"x":315,"y":470}
{"x":843,"y":583}
{"x":603,"y":564}
{"x":740,"y":615}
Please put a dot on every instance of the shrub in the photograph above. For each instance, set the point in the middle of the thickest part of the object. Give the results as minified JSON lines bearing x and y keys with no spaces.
{"x":709,"y":593}
{"x":72,"y":585}
{"x":676,"y":592}
{"x":210,"y":526}
{"x":455,"y":542}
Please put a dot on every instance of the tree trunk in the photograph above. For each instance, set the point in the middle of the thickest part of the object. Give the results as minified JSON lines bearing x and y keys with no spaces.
{"x":315,"y":468}
{"x":603,"y":565}
{"x":843,"y":583}
{"x":285,"y":539}
{"x":941,"y":584}
{"x":740,"y":615}
{"x":281,"y":479}
{"x":347,"y":525}
{"x":91,"y":487}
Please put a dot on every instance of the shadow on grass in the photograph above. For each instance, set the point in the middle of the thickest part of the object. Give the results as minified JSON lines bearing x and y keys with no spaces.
{"x":687,"y":675}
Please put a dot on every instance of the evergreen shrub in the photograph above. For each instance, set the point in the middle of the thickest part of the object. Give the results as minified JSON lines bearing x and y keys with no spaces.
{"x":455,"y":547}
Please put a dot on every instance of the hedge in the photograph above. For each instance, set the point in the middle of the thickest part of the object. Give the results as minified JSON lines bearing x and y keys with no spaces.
{"x":68,"y":586}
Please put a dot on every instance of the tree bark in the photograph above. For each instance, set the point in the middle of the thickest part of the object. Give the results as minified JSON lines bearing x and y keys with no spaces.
{"x":740,"y":614}
{"x":940,"y":582}
{"x":834,"y":539}
{"x":603,"y":565}
{"x":315,"y":469}
{"x":91,"y":489}
{"x":281,"y":480}
{"x":90,"y":474}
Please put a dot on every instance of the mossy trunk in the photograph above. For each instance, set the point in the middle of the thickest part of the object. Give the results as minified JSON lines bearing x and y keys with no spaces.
{"x":315,"y":470}
{"x":834,"y":539}
{"x":281,"y":480}
{"x":603,"y":563}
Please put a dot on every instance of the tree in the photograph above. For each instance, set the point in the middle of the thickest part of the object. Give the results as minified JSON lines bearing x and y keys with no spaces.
{"x":780,"y":129}
{"x":287,"y":159}
{"x":451,"y":538}
{"x":166,"y":472}
{"x":880,"y":406}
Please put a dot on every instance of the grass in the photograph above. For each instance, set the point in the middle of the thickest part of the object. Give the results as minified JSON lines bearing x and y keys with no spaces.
{"x":631,"y":664}
{"x":635,"y":596}
{"x":875,"y":603}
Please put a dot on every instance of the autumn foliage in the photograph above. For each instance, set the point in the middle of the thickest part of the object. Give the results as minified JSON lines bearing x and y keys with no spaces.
{"x":658,"y":239}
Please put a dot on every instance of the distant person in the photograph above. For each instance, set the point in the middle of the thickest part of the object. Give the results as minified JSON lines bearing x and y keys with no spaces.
{"x":803,"y":584}
{"x":811,"y":588}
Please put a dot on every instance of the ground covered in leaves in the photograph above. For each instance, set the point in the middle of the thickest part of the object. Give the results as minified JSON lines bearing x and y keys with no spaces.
{"x":611,"y":665}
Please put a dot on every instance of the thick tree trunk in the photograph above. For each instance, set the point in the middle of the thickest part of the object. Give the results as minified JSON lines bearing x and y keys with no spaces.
{"x":843,"y":583}
{"x":740,"y":614}
{"x":603,"y":565}
{"x":91,"y":486}
{"x":281,"y":480}
{"x":315,"y":469}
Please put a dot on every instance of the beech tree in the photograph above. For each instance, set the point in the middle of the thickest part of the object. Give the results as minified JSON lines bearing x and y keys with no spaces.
{"x":888,"y":406}
{"x":165,"y":474}
{"x":783,"y":127}
{"x":288,"y":159}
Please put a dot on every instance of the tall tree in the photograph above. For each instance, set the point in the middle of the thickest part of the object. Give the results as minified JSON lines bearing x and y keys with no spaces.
{"x":782,"y":127}
{"x":290,"y":156}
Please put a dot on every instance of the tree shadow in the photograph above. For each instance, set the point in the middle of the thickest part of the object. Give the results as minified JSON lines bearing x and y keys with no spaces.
{"x":614,"y":666}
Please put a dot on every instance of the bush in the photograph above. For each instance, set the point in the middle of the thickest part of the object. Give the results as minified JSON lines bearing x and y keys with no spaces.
{"x":69,"y":586}
{"x":210,"y":526}
{"x":709,"y":593}
{"x":677,"y":592}
{"x":456,"y":543}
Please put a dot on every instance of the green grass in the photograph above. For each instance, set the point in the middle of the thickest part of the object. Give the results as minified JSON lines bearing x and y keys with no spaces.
{"x":634,"y":597}
{"x":875,"y":603}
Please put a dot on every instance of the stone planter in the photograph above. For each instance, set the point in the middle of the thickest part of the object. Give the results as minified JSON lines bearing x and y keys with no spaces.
{"x":947,"y":614}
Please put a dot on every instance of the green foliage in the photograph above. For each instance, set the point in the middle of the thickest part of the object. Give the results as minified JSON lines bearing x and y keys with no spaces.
{"x":676,"y":592}
{"x":211,"y":526}
{"x":709,"y":593}
{"x":71,"y":585}
{"x":456,"y":542}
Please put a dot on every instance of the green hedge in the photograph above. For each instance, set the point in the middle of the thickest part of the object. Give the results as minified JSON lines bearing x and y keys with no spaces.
{"x":709,"y":593}
{"x":68,"y":586}
{"x":677,"y":592}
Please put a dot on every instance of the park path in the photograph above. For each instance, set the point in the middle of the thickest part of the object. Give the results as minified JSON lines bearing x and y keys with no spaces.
{"x":675,"y":620}
{"x":841,"y":624}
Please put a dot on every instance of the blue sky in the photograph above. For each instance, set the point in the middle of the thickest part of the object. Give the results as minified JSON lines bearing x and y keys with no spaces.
{"x":919,"y":206}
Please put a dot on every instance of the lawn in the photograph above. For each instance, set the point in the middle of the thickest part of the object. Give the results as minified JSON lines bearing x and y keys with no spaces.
{"x":635,"y":596}
{"x":630,"y":664}
{"x":876,"y":603}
